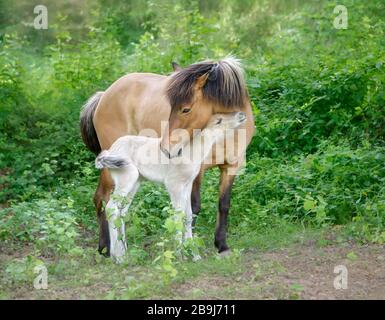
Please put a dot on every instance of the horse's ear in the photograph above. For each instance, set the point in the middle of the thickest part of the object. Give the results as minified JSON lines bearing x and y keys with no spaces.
{"x":176,"y":67}
{"x":201,"y":80}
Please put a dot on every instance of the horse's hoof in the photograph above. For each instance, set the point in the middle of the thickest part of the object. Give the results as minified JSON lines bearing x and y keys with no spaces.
{"x":221,"y":245}
{"x":225,"y":253}
{"x":104,"y":251}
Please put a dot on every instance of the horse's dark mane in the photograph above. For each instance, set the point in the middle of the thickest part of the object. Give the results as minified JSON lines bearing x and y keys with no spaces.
{"x":225,"y":85}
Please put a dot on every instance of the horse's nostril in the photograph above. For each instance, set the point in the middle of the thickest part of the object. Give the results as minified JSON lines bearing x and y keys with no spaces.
{"x":179,"y":152}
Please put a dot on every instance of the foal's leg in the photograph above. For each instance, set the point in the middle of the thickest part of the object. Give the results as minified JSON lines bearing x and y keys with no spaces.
{"x":226,"y":184}
{"x":103,"y":193}
{"x":179,"y":196}
{"x":188,"y":211}
{"x":131,"y":195}
{"x":181,"y":200}
{"x":126,"y":180}
{"x":189,"y":222}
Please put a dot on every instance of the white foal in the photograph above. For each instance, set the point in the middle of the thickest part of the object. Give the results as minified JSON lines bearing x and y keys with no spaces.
{"x":131,"y":158}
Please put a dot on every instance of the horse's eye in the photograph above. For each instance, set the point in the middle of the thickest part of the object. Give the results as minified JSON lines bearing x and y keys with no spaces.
{"x":186,"y":110}
{"x":219,"y":121}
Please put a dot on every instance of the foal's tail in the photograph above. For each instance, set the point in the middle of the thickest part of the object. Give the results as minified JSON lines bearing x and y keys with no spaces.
{"x":107,"y":160}
{"x":87,"y":129}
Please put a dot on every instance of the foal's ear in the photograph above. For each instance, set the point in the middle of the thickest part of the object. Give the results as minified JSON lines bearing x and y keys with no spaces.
{"x":201,"y":80}
{"x":176,"y":67}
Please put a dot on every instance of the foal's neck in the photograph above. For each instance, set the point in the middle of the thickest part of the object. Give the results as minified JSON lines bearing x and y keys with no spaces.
{"x":202,"y":143}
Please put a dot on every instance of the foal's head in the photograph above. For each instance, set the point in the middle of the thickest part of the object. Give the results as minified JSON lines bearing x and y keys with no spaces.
{"x":226,"y":121}
{"x":198,"y":92}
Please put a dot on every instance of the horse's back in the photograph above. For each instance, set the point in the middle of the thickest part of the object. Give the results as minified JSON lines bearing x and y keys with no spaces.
{"x":131,"y":104}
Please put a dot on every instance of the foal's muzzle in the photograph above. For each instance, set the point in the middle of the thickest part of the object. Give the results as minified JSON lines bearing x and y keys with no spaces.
{"x":167,"y":153}
{"x":241,"y":117}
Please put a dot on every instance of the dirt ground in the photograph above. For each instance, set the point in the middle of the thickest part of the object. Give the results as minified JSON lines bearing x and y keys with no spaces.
{"x":303,"y":271}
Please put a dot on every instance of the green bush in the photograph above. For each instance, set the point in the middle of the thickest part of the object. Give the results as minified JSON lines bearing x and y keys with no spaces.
{"x":49,"y":224}
{"x":334,"y":184}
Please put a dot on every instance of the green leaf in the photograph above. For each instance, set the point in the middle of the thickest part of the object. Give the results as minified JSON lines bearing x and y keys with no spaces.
{"x":309,"y":204}
{"x":352,"y":256}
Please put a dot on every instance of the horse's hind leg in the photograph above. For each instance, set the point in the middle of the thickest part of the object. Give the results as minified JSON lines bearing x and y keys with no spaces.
{"x":102,"y":194}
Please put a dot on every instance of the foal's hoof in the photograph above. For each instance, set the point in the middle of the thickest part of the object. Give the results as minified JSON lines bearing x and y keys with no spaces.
{"x":196,"y":257}
{"x":118,"y":259}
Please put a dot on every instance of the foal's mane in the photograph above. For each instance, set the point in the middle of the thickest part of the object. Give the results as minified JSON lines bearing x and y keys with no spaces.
{"x":225,"y":85}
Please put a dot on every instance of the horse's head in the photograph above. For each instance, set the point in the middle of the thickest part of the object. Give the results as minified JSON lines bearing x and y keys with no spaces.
{"x":195,"y":94}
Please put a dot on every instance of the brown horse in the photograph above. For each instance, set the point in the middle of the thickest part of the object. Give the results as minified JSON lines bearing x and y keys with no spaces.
{"x":186,"y":99}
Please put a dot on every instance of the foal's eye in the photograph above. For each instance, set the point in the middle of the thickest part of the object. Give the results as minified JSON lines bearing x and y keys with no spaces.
{"x":219,"y":121}
{"x":186,"y":110}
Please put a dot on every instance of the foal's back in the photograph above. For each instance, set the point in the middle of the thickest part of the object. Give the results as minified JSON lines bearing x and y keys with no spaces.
{"x":144,"y":153}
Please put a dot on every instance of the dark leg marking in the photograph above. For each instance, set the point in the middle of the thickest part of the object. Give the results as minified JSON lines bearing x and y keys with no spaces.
{"x":103,"y":194}
{"x":196,"y":197}
{"x":224,"y":206}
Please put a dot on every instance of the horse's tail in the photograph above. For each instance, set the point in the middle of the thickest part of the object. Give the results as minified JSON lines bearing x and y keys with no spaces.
{"x":87,"y":128}
{"x":111,"y":161}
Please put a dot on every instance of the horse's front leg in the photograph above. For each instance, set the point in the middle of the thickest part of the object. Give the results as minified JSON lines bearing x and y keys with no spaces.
{"x":196,"y":196}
